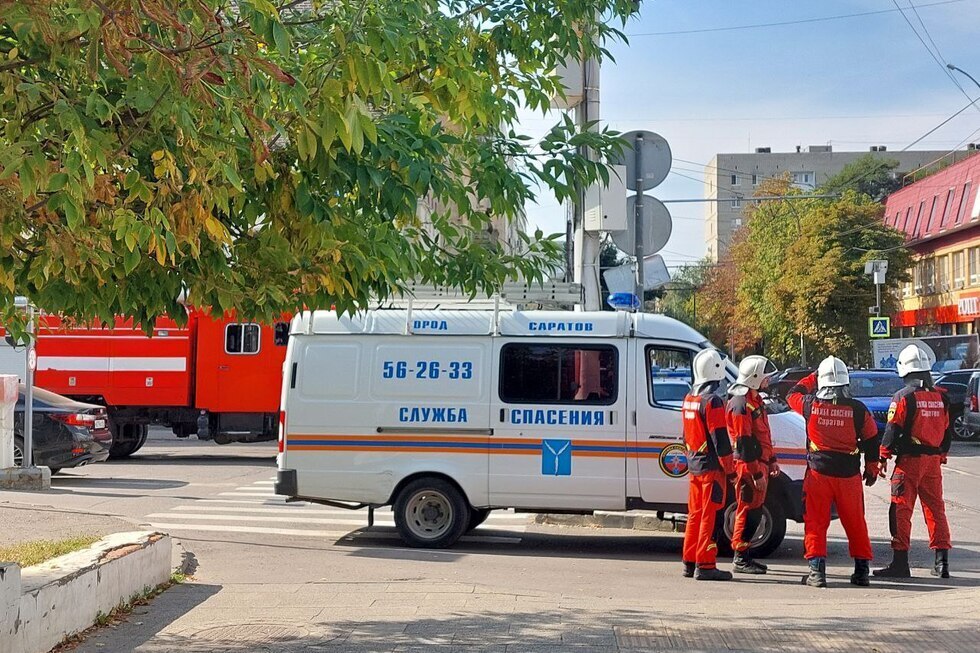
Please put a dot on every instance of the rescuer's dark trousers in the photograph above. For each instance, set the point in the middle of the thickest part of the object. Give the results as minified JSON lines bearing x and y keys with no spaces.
{"x":918,"y":477}
{"x":705,"y":497}
{"x":751,"y":483}
{"x":820,"y":493}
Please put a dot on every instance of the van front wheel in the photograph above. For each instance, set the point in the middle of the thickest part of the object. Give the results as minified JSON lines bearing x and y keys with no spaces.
{"x":431,"y":513}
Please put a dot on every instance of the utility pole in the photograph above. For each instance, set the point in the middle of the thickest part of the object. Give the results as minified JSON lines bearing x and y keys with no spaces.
{"x":638,"y":149}
{"x":586,"y":252}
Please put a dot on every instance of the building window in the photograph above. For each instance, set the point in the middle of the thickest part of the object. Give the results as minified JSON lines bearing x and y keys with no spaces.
{"x":917,"y":277}
{"x":737,"y":203}
{"x":974,"y":265}
{"x":242,"y":339}
{"x":944,"y":223}
{"x":907,"y":289}
{"x":959,"y":269}
{"x":932,"y":215}
{"x":755,"y":180}
{"x":908,"y":216}
{"x":961,"y":214}
{"x":558,"y":374}
{"x":918,"y":218}
{"x":929,"y":275}
{"x":942,"y":273}
{"x":803,"y":179}
{"x":734,"y":180}
{"x":898,"y":216}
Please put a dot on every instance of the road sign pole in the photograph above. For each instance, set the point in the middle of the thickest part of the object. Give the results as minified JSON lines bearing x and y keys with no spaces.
{"x":29,"y":391}
{"x":878,"y":299}
{"x":638,"y":153}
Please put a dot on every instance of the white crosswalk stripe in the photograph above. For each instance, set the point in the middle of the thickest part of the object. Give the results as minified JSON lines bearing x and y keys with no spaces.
{"x":255,"y":509}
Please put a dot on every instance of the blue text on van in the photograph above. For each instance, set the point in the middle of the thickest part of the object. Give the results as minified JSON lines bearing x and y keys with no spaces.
{"x":558,"y":417}
{"x":424,"y":415}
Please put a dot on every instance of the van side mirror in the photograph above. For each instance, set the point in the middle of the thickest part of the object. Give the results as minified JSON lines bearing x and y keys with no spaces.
{"x":280,"y":334}
{"x":9,"y":339}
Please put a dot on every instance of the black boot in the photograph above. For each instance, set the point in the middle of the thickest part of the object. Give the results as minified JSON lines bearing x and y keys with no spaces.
{"x":941,"y":568}
{"x":689,"y":570}
{"x":711,"y":574}
{"x":743,"y":564}
{"x":818,"y":573}
{"x":899,"y":567}
{"x":862,"y":568}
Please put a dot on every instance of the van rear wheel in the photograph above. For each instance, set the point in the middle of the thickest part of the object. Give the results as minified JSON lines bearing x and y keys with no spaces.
{"x":431,"y":513}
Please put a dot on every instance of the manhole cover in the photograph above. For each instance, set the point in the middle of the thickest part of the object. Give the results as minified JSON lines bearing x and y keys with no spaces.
{"x":252,"y":633}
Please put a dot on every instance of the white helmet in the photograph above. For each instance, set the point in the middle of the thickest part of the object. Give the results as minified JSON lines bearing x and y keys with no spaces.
{"x":832,"y":373}
{"x":751,"y":371}
{"x":913,"y":359}
{"x":708,"y":366}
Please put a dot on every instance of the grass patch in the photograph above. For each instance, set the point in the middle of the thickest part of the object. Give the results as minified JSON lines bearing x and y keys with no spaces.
{"x":38,"y":551}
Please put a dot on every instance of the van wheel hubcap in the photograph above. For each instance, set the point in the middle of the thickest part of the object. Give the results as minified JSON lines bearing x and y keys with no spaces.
{"x":429,"y":514}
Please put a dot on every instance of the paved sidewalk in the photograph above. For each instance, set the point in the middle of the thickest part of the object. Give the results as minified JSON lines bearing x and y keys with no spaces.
{"x":24,"y":523}
{"x":416,"y":616}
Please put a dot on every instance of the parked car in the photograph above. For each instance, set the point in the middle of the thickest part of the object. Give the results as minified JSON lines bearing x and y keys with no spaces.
{"x":778,"y":384}
{"x":66,"y":433}
{"x":971,"y":410}
{"x":955,"y":384}
{"x":874,"y":389}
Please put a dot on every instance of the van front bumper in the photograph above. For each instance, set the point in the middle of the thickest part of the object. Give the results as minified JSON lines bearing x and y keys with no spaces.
{"x":286,"y":483}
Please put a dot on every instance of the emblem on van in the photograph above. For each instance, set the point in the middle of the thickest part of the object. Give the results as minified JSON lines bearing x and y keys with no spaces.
{"x":673,"y":460}
{"x":556,"y":457}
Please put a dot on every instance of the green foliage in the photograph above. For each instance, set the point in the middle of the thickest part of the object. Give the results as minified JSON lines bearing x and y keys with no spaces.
{"x":869,"y":175}
{"x":680,"y":300}
{"x":260,"y":156}
{"x":797,"y":267}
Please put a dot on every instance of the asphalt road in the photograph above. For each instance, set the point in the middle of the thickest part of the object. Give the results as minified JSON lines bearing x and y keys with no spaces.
{"x":272,"y":576}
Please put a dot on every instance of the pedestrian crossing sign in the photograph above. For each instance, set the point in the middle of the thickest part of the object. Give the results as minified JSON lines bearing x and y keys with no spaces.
{"x":880,"y":327}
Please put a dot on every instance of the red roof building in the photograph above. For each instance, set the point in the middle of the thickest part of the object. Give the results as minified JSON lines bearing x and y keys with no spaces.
{"x":941,"y":216}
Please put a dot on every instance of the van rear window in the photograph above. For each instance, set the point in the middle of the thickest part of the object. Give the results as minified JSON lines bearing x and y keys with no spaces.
{"x":559,"y":374}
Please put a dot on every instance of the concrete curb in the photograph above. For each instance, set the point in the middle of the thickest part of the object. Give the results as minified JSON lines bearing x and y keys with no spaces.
{"x":639,"y":520}
{"x":42,"y":605}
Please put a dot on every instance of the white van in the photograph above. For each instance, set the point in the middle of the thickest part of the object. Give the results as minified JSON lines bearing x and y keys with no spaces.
{"x":446,"y":415}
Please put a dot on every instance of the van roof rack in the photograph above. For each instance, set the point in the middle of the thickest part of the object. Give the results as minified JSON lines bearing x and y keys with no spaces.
{"x":547,"y":293}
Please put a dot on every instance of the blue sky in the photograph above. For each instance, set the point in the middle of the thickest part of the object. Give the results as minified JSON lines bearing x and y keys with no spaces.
{"x":851,"y":83}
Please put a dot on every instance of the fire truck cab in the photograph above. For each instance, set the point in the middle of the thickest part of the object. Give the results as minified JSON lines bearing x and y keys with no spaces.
{"x":213,"y":376}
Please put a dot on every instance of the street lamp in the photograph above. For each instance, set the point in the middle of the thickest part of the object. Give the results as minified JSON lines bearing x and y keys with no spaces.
{"x":963,"y":72}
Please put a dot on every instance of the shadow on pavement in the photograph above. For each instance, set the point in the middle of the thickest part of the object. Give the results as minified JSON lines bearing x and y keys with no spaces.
{"x":194,"y":457}
{"x":460,"y":625}
{"x":69,"y":481}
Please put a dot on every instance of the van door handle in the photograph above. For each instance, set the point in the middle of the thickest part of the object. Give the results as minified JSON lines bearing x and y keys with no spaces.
{"x":223,"y":368}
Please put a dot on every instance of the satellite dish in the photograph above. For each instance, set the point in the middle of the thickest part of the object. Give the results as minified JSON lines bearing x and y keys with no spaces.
{"x":655,"y":152}
{"x":657,"y":226}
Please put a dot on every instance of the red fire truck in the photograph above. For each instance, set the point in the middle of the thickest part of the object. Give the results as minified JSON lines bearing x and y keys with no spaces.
{"x":216,"y":377}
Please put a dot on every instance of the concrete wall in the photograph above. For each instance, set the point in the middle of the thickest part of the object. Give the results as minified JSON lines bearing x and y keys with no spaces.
{"x":721,"y":218}
{"x":42,"y":605}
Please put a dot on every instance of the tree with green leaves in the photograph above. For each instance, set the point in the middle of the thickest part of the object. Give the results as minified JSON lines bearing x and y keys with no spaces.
{"x":263,"y":155}
{"x":869,"y":175}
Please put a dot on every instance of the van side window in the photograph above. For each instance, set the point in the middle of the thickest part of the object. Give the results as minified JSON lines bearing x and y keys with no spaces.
{"x":559,"y":374}
{"x":670,"y":376}
{"x":242,"y":338}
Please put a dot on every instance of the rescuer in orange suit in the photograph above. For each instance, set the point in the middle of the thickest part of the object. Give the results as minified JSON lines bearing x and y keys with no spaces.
{"x":838,"y":430}
{"x":919,"y":434}
{"x":709,"y":457}
{"x":755,"y":460}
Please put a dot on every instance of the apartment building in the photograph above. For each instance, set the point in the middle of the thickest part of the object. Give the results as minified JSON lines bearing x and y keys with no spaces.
{"x":940,"y":215}
{"x":731,"y":179}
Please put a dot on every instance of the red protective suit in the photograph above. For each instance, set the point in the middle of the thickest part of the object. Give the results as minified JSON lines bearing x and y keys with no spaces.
{"x":748,"y":428}
{"x":709,"y":456}
{"x":919,"y":434}
{"x":838,"y":430}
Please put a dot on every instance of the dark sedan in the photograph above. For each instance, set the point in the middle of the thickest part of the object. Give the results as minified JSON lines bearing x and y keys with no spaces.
{"x":955,"y":384}
{"x":66,"y":433}
{"x":778,"y":384}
